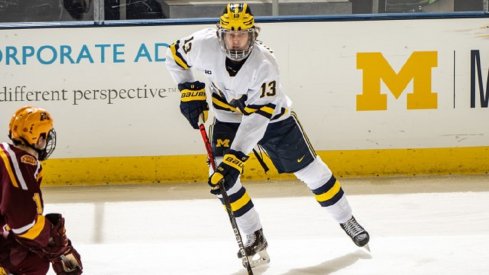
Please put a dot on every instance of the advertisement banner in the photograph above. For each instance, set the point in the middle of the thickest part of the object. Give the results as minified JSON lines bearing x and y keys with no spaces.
{"x":355,"y":85}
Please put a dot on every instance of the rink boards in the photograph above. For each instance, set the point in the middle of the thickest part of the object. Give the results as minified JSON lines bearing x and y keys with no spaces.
{"x":376,"y":97}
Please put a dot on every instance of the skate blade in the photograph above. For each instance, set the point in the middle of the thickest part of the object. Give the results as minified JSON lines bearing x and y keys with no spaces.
{"x":259,"y":259}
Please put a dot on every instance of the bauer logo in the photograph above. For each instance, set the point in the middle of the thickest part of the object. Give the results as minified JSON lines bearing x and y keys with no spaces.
{"x":417,"y":68}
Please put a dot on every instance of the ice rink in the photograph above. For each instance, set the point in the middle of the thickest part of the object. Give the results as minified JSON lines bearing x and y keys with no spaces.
{"x":418,"y":225}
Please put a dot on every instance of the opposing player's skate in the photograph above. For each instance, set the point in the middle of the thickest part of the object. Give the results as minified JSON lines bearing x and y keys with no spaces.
{"x":356,"y":232}
{"x":256,"y":249}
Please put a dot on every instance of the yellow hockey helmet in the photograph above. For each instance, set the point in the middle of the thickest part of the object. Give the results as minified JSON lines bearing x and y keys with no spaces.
{"x":237,"y":17}
{"x":28,"y":125}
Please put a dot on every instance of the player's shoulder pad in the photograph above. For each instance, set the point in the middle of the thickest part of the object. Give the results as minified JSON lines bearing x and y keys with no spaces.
{"x":265,"y":59}
{"x":28,"y":159}
{"x":204,"y":40}
{"x":205,"y":34}
{"x":264,"y":48}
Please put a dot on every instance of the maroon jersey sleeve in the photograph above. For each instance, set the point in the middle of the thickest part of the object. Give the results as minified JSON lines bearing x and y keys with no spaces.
{"x":21,"y":202}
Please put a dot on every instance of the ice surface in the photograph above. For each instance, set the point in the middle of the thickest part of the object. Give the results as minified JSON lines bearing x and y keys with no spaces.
{"x":417,"y":226}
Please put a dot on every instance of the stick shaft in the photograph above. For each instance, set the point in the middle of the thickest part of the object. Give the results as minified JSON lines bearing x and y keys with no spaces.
{"x":225,"y":198}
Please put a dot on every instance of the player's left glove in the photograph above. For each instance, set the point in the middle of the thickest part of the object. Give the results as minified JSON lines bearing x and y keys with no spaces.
{"x":193,"y":102}
{"x":229,"y":170}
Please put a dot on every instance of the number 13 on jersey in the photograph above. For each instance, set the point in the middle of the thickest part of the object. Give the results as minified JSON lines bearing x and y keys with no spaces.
{"x":268,"y":89}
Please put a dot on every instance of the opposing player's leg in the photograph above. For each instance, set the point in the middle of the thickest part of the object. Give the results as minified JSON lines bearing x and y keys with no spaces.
{"x":247,"y":217}
{"x":290,"y":151}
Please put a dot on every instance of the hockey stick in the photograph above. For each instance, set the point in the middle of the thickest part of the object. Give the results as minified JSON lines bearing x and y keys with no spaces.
{"x":225,"y":198}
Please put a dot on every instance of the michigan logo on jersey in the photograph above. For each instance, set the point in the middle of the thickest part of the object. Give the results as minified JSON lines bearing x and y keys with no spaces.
{"x":223,"y":142}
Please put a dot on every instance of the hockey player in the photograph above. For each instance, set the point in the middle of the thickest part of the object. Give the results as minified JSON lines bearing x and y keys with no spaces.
{"x":29,"y":239}
{"x":250,"y":109}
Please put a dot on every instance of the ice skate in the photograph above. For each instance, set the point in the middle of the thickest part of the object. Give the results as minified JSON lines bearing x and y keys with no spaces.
{"x":356,"y":232}
{"x":255,"y":249}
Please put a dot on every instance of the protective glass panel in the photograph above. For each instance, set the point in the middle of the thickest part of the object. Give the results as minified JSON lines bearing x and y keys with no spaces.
{"x":402,"y":6}
{"x":107,"y":10}
{"x":45,"y":10}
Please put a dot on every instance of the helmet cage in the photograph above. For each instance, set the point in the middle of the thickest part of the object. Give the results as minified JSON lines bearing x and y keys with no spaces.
{"x":44,"y":153}
{"x":237,"y":54}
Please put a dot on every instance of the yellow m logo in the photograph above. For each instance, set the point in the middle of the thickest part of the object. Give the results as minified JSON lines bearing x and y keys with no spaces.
{"x":417,"y":68}
{"x":222,"y":143}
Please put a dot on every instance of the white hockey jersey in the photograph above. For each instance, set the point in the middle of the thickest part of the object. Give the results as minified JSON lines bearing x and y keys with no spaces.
{"x":253,"y":97}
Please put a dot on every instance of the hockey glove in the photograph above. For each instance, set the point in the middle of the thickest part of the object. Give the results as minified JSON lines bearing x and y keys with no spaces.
{"x":69,"y":263}
{"x":193,"y":102}
{"x":64,"y":258}
{"x":228,"y":171}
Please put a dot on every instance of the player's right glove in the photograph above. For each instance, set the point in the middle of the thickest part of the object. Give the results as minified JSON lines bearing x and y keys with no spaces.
{"x":229,"y":170}
{"x":69,"y":263}
{"x":193,"y":102}
{"x":64,"y":258}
